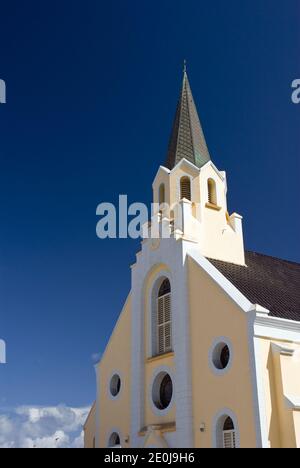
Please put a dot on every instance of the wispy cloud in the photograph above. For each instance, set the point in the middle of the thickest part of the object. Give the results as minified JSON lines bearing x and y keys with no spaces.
{"x":37,"y":427}
{"x":96,"y":357}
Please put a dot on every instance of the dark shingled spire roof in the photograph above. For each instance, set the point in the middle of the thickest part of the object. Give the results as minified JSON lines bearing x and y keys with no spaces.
{"x":271,"y":282}
{"x":187,"y":139}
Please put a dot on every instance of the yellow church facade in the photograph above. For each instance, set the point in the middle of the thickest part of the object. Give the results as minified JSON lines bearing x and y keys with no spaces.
{"x":206,"y":352}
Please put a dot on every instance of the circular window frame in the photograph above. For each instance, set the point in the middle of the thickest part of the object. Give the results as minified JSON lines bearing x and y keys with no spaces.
{"x":110,"y":383}
{"x":216,"y":348}
{"x":156,"y":380}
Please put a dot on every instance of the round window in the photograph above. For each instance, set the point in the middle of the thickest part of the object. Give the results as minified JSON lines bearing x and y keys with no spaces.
{"x":162,"y":392}
{"x":221,"y":356}
{"x":115,"y":385}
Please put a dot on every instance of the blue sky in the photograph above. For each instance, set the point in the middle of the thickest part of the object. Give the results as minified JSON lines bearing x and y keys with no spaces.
{"x":91,"y":94}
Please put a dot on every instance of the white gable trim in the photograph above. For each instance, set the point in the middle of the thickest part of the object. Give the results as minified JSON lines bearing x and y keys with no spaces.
{"x":161,"y":169}
{"x":220,"y":174}
{"x":185,"y":162}
{"x":231,"y":291}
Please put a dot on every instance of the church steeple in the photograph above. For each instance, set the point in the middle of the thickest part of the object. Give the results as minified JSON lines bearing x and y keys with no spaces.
{"x":187,"y":139}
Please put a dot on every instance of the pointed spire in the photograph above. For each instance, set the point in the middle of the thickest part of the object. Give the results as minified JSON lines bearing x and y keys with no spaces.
{"x":187,"y":139}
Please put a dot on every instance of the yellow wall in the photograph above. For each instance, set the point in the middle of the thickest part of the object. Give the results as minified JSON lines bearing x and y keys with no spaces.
{"x":90,"y":429}
{"x":281,"y":378}
{"x":214,"y":315}
{"x":115,"y":414}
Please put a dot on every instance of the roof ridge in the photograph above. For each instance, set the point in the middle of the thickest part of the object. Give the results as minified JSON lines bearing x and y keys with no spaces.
{"x":273,"y":257}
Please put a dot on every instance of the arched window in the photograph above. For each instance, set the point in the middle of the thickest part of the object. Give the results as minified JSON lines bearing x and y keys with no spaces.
{"x":162,"y":195}
{"x":185,"y":189}
{"x":114,"y":440}
{"x":212,"y":192}
{"x":164,"y":319}
{"x":225,"y":430}
{"x":229,"y":435}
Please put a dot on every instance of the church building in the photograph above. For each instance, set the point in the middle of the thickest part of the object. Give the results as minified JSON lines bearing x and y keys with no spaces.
{"x":206,"y":352}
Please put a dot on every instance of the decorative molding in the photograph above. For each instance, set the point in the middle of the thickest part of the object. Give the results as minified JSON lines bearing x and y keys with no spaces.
{"x":283,"y":351}
{"x":292,"y":402}
{"x":277,"y":328}
{"x":167,"y":427}
{"x":211,"y":206}
{"x":160,"y":357}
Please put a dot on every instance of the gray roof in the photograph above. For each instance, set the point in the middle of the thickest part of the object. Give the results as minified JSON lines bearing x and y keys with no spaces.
{"x":187,"y":139}
{"x":271,"y":282}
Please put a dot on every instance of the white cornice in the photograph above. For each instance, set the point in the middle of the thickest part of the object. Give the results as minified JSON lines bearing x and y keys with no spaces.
{"x":283,"y":350}
{"x":277,"y":328}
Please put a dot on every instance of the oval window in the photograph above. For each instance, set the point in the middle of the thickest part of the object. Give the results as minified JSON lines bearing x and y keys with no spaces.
{"x":162,"y":392}
{"x":115,"y":385}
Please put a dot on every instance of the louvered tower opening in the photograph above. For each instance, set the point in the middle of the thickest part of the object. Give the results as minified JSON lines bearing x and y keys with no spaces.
{"x":185,"y":189}
{"x":212,"y":192}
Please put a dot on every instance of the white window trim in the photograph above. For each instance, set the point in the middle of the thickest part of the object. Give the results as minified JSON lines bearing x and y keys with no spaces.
{"x":109,"y":394}
{"x":216,"y":436}
{"x":215,"y":191}
{"x":184,"y":176}
{"x":152,"y":311}
{"x":155,"y":410}
{"x":216,"y":342}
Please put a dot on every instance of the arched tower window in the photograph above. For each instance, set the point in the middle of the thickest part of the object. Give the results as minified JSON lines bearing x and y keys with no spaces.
{"x":185,"y":188}
{"x":212,"y":192}
{"x":162,"y":195}
{"x":164,"y":319}
{"x":229,"y":435}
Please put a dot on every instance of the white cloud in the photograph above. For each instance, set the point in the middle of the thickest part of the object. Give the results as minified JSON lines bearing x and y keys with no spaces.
{"x":37,"y":427}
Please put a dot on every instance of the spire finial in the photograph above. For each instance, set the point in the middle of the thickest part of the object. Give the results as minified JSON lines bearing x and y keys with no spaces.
{"x":184,"y":66}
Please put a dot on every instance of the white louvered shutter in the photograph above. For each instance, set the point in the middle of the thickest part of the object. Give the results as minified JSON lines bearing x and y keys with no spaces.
{"x":164,"y":323}
{"x":229,"y":440}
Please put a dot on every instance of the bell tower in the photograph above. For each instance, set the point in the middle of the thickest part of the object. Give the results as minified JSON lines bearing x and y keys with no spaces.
{"x":190,"y":193}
